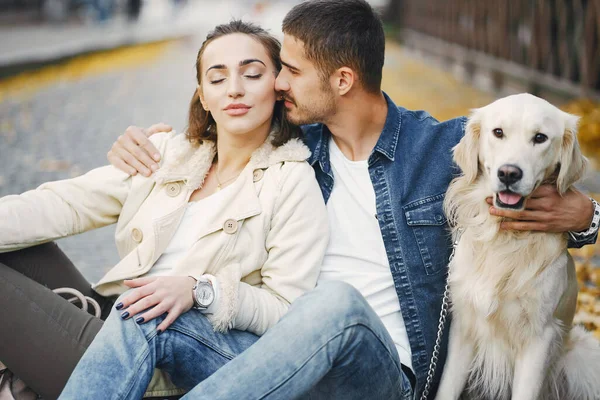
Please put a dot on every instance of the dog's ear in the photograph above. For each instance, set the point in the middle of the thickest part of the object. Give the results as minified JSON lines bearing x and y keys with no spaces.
{"x":466,"y":152}
{"x":573,"y":164}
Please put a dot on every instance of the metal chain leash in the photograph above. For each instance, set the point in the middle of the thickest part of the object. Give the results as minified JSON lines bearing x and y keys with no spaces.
{"x":441,"y":324}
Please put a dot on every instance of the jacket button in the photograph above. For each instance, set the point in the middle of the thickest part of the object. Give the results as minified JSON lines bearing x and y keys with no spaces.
{"x":173,"y":189}
{"x":258,"y":175}
{"x":230,"y":226}
{"x":137,"y":235}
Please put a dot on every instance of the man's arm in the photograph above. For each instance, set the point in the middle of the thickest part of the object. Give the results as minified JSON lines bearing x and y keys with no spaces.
{"x":133,"y":152}
{"x":548,"y":211}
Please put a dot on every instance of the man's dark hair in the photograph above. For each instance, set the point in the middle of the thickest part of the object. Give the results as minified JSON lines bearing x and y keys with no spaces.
{"x":339,"y":33}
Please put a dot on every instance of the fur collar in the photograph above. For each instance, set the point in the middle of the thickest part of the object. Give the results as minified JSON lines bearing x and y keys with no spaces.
{"x":183,"y":161}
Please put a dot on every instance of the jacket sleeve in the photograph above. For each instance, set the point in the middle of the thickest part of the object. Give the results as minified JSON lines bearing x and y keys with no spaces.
{"x":577,"y":242}
{"x":62,"y":208}
{"x":296,"y":245}
{"x":67,"y":207}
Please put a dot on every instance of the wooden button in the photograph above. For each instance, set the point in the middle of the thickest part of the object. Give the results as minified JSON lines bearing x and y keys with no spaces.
{"x":258,"y":175}
{"x":173,"y":189}
{"x":230,"y":226}
{"x":137,"y":235}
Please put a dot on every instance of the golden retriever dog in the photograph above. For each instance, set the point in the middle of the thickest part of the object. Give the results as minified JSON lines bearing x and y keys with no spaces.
{"x":514,"y":293}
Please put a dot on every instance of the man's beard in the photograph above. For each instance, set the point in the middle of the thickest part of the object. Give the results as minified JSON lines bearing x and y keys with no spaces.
{"x":316,"y":113}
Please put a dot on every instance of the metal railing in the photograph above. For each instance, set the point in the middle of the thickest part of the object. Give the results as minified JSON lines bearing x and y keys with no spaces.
{"x":559,"y":40}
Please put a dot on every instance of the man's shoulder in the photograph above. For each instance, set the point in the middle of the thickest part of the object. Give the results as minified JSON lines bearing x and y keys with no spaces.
{"x":426,"y":123}
{"x":425,"y":119}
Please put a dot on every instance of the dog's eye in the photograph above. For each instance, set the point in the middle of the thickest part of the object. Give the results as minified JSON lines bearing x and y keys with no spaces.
{"x":540,"y":138}
{"x":498,"y":133}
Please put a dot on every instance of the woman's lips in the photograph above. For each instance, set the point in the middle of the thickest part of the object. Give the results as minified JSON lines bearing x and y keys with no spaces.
{"x":237,"y":111}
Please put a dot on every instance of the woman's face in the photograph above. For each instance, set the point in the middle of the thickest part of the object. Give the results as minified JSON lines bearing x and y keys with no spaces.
{"x":238,"y":80}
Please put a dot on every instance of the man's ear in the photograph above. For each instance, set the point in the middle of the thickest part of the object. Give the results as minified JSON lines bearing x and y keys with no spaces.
{"x":573,"y":164}
{"x":344,"y":78}
{"x":466,"y":152}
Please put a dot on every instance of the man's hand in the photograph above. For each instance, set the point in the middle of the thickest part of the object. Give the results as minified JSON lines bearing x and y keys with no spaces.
{"x":158,"y":295}
{"x":133,"y":152}
{"x":546,"y":210}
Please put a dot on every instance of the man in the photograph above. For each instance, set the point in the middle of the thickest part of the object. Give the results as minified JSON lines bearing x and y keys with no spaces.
{"x":383,"y":171}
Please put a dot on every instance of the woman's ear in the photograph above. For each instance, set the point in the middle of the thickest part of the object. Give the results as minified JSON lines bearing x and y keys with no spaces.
{"x":201,"y":96}
{"x":466,"y":152}
{"x":573,"y":164}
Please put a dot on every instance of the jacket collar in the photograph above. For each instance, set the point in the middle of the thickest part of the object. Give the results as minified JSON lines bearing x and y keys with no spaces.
{"x":183,"y":161}
{"x":386,"y":144}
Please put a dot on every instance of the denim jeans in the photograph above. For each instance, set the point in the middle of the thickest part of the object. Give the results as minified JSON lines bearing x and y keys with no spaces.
{"x":330,"y":345}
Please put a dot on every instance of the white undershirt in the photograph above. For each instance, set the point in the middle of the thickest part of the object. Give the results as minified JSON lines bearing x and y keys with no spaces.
{"x":186,"y":235}
{"x":356,"y":252}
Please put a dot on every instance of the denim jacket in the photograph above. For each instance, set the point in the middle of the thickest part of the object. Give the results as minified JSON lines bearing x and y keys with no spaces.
{"x":411,"y":167}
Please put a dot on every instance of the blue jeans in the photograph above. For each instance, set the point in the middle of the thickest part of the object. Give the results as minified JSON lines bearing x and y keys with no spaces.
{"x":330,"y":345}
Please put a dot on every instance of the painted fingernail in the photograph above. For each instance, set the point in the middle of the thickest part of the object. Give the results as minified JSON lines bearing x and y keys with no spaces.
{"x":156,"y":157}
{"x":119,"y":306}
{"x":125,"y":315}
{"x":159,"y":332}
{"x":139,"y":320}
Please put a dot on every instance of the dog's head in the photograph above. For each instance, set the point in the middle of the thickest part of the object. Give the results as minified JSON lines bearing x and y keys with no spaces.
{"x":517,"y":143}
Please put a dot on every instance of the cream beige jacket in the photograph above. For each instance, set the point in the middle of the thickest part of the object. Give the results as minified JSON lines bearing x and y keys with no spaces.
{"x":265,"y":241}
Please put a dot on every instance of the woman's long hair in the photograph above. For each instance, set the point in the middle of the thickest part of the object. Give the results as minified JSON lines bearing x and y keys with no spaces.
{"x":201,"y":125}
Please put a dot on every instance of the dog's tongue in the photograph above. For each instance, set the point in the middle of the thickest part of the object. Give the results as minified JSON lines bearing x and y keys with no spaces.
{"x":509,"y":198}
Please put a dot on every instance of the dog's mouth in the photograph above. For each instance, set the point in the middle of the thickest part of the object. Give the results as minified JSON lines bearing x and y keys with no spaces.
{"x":508,"y":199}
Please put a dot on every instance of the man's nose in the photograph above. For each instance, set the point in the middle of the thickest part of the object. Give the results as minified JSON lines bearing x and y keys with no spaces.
{"x":509,"y":174}
{"x":281,"y":84}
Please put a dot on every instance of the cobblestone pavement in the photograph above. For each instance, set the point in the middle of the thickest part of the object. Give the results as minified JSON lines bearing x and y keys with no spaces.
{"x":67,"y":128}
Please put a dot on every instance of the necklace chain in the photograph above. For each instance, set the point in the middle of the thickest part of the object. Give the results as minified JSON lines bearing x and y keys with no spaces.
{"x":219,"y":183}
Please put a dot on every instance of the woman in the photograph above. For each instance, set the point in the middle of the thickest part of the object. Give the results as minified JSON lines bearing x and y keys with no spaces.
{"x":228,"y":232}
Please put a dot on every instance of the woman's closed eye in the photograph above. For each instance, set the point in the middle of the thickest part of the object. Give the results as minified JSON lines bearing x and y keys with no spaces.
{"x":216,"y":81}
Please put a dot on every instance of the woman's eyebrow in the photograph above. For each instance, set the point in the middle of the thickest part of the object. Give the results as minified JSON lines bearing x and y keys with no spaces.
{"x":250,"y":61}
{"x":217,"y":66}
{"x":243,"y":63}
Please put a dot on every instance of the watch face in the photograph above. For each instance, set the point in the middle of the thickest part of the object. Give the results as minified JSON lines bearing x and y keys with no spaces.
{"x":205,"y":294}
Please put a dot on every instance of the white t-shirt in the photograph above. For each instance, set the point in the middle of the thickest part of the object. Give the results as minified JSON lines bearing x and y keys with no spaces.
{"x":356,"y":252}
{"x":186,"y":235}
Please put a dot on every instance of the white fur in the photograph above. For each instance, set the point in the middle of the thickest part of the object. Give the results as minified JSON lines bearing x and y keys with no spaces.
{"x":513,"y":293}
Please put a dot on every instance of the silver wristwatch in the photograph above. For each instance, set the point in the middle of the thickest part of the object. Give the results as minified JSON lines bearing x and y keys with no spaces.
{"x":593,"y":226}
{"x":203,"y":293}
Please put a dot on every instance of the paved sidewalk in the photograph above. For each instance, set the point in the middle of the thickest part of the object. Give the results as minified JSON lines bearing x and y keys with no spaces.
{"x":33,"y":44}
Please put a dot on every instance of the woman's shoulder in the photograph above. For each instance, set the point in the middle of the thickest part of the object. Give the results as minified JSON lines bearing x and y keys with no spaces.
{"x":285,"y":162}
{"x":294,"y":150}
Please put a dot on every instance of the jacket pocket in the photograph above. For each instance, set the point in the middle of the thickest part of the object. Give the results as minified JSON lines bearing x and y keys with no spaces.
{"x":427,"y":221}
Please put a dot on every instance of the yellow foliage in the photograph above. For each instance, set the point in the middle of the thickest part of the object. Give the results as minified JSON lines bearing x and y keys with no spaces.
{"x":589,"y":127}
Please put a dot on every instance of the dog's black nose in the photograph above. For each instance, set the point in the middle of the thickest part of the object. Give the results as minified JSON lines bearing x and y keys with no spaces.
{"x":509,"y":174}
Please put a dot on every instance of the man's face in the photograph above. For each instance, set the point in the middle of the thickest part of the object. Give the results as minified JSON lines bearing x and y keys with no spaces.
{"x":307,"y":98}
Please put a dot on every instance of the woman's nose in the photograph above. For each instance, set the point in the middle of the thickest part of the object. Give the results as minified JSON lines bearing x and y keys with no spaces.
{"x":235,"y":88}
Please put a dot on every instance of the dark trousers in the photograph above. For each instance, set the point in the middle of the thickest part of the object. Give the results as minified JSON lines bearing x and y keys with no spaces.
{"x":43,"y":336}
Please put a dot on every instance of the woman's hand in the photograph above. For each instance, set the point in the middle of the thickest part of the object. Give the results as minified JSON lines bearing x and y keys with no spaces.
{"x":157,"y":295}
